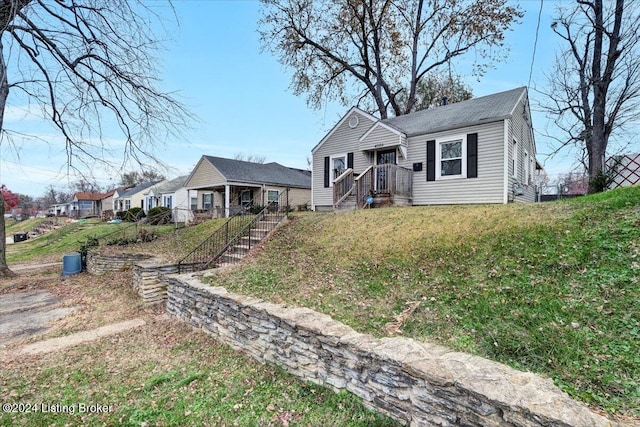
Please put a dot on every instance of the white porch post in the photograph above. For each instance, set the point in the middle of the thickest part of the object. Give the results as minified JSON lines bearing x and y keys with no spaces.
{"x":227,"y":200}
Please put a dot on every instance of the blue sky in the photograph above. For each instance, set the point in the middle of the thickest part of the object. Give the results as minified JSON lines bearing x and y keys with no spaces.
{"x":242,"y":99}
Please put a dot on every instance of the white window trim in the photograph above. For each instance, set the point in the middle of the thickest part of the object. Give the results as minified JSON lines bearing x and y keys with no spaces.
{"x":272,"y":189}
{"x":336,"y":156}
{"x":439,"y":143}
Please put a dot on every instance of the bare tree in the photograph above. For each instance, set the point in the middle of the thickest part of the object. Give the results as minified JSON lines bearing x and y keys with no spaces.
{"x":374,"y":53}
{"x":91,"y":66}
{"x":594,"y":88}
{"x":253,"y":158}
{"x":436,"y":90}
{"x":135,"y":177}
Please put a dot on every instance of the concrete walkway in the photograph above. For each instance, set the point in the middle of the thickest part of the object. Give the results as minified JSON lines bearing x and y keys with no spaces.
{"x":61,"y":343}
{"x":16,"y":268}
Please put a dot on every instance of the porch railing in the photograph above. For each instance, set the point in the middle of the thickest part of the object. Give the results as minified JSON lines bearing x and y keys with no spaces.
{"x":364,"y":186}
{"x":383,"y":179}
{"x":240,"y":230}
{"x":342,"y":187}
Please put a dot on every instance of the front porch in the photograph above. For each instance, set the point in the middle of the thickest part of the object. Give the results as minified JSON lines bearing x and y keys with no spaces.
{"x":379,"y":185}
{"x":224,"y":201}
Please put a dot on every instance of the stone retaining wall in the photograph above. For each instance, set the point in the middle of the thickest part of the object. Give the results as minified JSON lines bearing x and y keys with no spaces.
{"x":414,"y":382}
{"x":148,"y":281}
{"x":100,"y":263}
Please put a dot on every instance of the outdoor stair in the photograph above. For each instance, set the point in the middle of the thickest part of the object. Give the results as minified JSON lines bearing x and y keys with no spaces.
{"x":225,"y":247}
{"x":237,"y":252}
{"x":347,"y":204}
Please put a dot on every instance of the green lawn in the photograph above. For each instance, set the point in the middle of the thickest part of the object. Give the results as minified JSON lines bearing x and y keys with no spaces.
{"x":551,"y":288}
{"x":164,"y":373}
{"x":70,"y":237}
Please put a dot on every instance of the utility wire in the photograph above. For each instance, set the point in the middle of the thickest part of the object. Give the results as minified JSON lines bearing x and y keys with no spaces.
{"x":535,"y":43}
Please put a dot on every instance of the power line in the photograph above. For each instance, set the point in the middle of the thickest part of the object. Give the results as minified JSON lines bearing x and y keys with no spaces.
{"x":535,"y":43}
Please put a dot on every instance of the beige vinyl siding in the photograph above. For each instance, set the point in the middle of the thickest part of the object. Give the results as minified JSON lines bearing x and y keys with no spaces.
{"x":520,"y":131}
{"x":381,"y":138}
{"x":486,"y":188}
{"x":204,"y":175}
{"x":297,"y":196}
{"x":343,"y":140}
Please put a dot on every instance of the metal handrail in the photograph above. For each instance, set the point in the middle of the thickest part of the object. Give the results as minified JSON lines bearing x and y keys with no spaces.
{"x":233,"y":231}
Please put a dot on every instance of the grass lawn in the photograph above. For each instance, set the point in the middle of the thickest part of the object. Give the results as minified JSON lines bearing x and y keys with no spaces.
{"x":164,"y":373}
{"x":551,"y":288}
{"x":172,"y":243}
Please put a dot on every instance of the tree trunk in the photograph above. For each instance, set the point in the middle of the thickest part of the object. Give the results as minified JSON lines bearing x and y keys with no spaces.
{"x":4,"y":93}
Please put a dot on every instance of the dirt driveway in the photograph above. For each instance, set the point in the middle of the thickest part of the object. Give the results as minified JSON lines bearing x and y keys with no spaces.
{"x":41,"y":310}
{"x":29,"y":313}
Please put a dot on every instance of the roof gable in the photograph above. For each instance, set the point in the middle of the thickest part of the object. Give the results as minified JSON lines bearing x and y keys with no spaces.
{"x":341,"y":122}
{"x":383,"y":125}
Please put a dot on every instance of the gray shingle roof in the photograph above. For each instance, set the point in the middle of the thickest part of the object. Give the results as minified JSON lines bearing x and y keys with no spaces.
{"x":171,"y":186}
{"x":484,"y":109}
{"x":138,"y":188}
{"x":256,"y":173}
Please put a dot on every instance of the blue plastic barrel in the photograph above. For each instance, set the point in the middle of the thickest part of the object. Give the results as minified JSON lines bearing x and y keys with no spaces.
{"x":71,"y":264}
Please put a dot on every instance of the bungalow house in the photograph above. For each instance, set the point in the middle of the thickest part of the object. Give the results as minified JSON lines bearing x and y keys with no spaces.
{"x":173,"y":195}
{"x":125,"y":199}
{"x":60,"y":209}
{"x":223,"y":187}
{"x":477,"y":151}
{"x":108,"y":203}
{"x":86,"y":204}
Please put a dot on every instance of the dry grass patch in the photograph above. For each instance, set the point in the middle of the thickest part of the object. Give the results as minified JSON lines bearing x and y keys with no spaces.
{"x":552,"y":288}
{"x":164,"y":373}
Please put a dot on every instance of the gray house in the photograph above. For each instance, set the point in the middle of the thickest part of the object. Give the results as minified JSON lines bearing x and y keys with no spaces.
{"x":477,"y":151}
{"x":220,"y":187}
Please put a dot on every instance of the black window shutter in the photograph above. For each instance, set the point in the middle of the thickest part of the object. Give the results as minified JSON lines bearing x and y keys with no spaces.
{"x":472,"y":155}
{"x":349,"y":160}
{"x":431,"y":160}
{"x":326,"y":172}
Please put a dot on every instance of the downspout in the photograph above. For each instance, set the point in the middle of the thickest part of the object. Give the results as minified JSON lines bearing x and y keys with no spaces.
{"x":505,"y":196}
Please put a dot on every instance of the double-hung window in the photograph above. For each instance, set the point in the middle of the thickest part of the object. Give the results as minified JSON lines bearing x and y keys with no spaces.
{"x":338,"y":166}
{"x":451,"y":158}
{"x":246,"y":198}
{"x":206,"y":201}
{"x":272,"y":196}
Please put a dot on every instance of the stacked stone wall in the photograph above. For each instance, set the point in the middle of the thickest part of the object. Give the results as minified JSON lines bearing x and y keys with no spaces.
{"x":100,"y":263}
{"x":416,"y":383}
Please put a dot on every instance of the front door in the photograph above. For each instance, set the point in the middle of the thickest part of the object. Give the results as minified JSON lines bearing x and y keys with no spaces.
{"x":384,"y":174}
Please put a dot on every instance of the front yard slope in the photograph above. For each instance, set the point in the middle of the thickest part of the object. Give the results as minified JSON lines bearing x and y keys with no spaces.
{"x":551,"y":288}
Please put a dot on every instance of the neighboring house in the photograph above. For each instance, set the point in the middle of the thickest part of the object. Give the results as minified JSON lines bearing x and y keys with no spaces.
{"x":107,"y":212}
{"x":60,"y":209}
{"x":224,"y":186}
{"x":172,"y":194}
{"x":477,"y":151}
{"x":624,"y":170}
{"x":125,"y":199}
{"x":86,"y":204}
